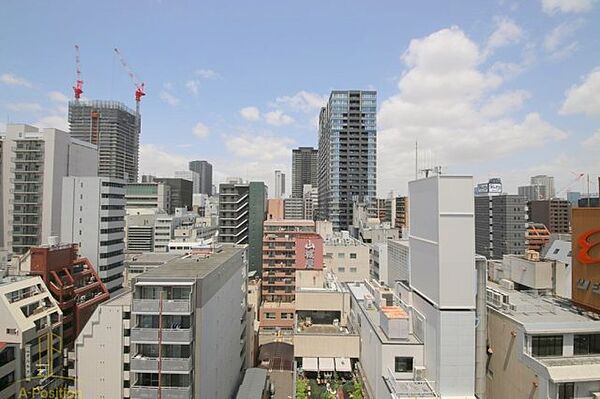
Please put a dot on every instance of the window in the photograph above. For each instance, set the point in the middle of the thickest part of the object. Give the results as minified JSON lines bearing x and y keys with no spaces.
{"x":547,"y":345}
{"x":403,"y":364}
{"x":566,"y":391}
{"x":352,"y":256}
{"x":270,"y":316}
{"x":587,"y":344}
{"x":341,"y":269}
{"x":353,"y":270}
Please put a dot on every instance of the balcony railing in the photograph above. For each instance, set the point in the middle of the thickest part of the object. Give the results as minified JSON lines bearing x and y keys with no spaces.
{"x":181,"y":335}
{"x":141,"y":392}
{"x":168,"y":306}
{"x":168,"y":365}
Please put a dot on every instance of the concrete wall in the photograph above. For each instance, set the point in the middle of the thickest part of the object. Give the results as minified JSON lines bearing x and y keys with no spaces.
{"x":334,"y":261}
{"x":324,"y":301}
{"x":326,"y":345}
{"x":536,"y":275}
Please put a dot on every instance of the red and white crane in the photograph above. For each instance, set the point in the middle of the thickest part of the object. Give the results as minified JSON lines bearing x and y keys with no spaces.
{"x":78,"y":88}
{"x":139,"y":87}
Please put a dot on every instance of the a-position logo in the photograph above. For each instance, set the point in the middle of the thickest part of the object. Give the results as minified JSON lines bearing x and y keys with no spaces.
{"x":41,"y":379}
{"x":586,"y":242}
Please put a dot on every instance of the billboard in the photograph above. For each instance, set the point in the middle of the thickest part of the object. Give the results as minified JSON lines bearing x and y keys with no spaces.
{"x":309,"y":252}
{"x":585,"y":252}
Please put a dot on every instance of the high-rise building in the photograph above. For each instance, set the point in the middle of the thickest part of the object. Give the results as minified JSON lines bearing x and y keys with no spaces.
{"x":93,"y":216}
{"x":181,"y":192}
{"x":195,"y":307}
{"x":534,"y":192}
{"x":242,"y":211}
{"x":310,"y":198}
{"x":204,"y":169}
{"x":555,"y":214}
{"x":192,"y":176}
{"x":546,"y":181}
{"x":500,"y":225}
{"x":347,"y":154}
{"x":34,"y":163}
{"x":279,"y":188}
{"x":304,"y":169}
{"x":115,"y":129}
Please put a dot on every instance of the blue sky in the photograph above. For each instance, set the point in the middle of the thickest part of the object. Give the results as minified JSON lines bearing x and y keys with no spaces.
{"x":494,"y":88}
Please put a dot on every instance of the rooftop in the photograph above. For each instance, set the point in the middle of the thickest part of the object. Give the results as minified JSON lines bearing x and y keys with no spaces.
{"x":152,"y":258}
{"x":540,"y":313}
{"x":196,"y":267}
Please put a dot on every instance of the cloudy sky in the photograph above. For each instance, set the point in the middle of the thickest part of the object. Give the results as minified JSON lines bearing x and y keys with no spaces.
{"x":490,"y":88}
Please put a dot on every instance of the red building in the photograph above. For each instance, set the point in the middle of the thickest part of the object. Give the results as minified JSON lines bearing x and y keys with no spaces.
{"x":73,"y":282}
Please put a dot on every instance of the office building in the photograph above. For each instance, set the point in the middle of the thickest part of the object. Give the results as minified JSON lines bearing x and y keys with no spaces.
{"x":115,"y":129}
{"x":29,"y":316}
{"x":61,"y":269}
{"x":279,"y":187}
{"x":547,"y":182}
{"x":555,"y":214}
{"x":293,"y":208}
{"x":192,"y":176}
{"x":93,"y":216}
{"x":304,"y":169}
{"x":442,"y":244}
{"x":34,"y":163}
{"x":588,"y":202}
{"x":398,"y":262}
{"x":500,"y":225}
{"x":242,"y":211}
{"x":540,"y":346}
{"x":573,"y":198}
{"x":204,"y":169}
{"x":139,"y":232}
{"x":195,"y":306}
{"x":310,"y":204}
{"x":181,"y":192}
{"x":347,"y":154}
{"x":586,"y":260}
{"x":150,"y":196}
{"x":166,"y":225}
{"x":346,"y":257}
{"x":535,"y":192}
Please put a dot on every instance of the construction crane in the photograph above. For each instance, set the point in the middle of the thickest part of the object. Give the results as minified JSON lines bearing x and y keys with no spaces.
{"x":78,"y":88}
{"x":578,"y":177}
{"x":139,"y":87}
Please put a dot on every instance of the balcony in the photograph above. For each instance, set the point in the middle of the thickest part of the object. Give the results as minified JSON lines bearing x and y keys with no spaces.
{"x":143,"y":364}
{"x":139,"y":392}
{"x":176,"y":336}
{"x":176,"y":306}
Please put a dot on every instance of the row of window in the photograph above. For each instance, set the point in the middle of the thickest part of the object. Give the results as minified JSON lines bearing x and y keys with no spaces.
{"x":552,"y":345}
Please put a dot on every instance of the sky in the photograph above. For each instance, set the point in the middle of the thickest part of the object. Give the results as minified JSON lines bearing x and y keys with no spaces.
{"x":498,"y":88}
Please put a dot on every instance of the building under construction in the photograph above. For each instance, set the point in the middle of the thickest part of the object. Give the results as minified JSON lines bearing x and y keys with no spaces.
{"x":115,"y":129}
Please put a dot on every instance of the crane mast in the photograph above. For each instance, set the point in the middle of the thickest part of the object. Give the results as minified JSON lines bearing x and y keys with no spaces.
{"x":78,"y":88}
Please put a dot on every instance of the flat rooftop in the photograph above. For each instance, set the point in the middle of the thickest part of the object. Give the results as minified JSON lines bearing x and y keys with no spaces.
{"x":191,"y":267}
{"x":545,"y":313}
{"x":150,"y":258}
{"x":124,"y":298}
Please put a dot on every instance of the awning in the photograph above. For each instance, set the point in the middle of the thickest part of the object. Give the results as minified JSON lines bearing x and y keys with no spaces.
{"x":574,"y":373}
{"x":326,"y":364}
{"x":309,"y":364}
{"x":343,"y":364}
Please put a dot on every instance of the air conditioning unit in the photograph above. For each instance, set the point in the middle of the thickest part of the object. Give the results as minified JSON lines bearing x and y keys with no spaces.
{"x":507,"y":284}
{"x":419,"y":373}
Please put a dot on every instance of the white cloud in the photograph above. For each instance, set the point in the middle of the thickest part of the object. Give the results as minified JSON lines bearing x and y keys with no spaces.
{"x":193,"y":86}
{"x":507,"y":32}
{"x":14,"y":80}
{"x":251,"y":114}
{"x":593,"y":141}
{"x":207,"y":73}
{"x":567,"y":6}
{"x":53,"y":121}
{"x":24,"y":107}
{"x":583,"y":98}
{"x":58,"y":97}
{"x":200,"y":130}
{"x":557,"y":42}
{"x":504,"y":103}
{"x":156,"y":161}
{"x":169,"y":98}
{"x":278,"y":118}
{"x":303,"y":101}
{"x":447,"y":102}
{"x":259,"y":147}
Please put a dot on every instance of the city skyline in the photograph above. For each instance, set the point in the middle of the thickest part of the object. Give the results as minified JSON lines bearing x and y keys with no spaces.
{"x":246,"y":121}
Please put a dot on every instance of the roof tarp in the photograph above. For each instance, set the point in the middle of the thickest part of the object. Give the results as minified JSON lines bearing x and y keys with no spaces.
{"x":326,"y":364}
{"x":343,"y":364}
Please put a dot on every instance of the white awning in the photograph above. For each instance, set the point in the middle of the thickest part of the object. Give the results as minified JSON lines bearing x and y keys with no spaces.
{"x":343,"y":364}
{"x":574,"y":373}
{"x":309,"y":364}
{"x":326,"y":364}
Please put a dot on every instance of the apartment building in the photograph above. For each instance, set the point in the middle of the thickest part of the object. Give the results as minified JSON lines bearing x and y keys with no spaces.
{"x":34,"y":163}
{"x":242,"y":211}
{"x":30,"y":336}
{"x":396,"y":212}
{"x":188,"y":327}
{"x":304,"y":169}
{"x":347,"y":257}
{"x":283,"y":243}
{"x":555,"y":214}
{"x":93,"y":216}
{"x":552,"y":349}
{"x":72,"y":280}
